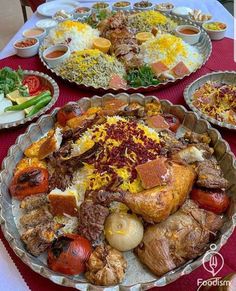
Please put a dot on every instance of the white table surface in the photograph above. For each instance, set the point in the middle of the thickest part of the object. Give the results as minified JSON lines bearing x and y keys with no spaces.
{"x":213,"y":7}
{"x":10,"y":278}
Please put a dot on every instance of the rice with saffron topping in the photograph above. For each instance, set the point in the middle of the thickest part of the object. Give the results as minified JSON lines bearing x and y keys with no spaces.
{"x":91,"y":67}
{"x":146,"y":20}
{"x":76,"y":35}
{"x":123,"y":145}
{"x":170,"y":50}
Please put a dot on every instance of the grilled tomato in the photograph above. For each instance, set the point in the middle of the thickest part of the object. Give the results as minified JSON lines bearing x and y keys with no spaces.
{"x":172,"y":121}
{"x":68,"y":112}
{"x":69,"y":253}
{"x":215,"y":201}
{"x":29,"y":181}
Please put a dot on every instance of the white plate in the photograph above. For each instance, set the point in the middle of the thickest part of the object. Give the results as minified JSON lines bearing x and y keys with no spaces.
{"x":50,"y":8}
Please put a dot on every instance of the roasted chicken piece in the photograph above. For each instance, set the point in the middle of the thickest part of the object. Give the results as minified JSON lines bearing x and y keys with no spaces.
{"x":157,"y":203}
{"x":182,"y":237}
{"x":106,"y":266}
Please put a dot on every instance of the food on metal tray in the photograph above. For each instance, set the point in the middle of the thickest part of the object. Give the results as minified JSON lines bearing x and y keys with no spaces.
{"x":181,"y":237}
{"x":29,"y":181}
{"x":116,"y":177}
{"x":217,"y":100}
{"x":106,"y":266}
{"x":68,"y":254}
{"x":123,"y":231}
{"x":120,"y":50}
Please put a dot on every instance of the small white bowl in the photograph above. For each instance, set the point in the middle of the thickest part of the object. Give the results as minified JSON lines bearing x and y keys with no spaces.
{"x":189,"y":38}
{"x":28,"y":51}
{"x":181,"y":11}
{"x":46,"y":24}
{"x":143,"y":8}
{"x":96,"y":10}
{"x":81,"y":14}
{"x":122,"y":8}
{"x":164,"y":9}
{"x":215,"y":34}
{"x":39,"y":36}
{"x":54,"y":62}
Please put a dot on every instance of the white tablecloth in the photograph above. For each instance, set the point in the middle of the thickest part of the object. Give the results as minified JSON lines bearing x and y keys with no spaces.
{"x":208,"y":6}
{"x":10,"y":278}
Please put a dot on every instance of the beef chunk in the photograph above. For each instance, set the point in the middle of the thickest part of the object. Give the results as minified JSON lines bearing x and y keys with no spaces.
{"x":39,"y":238}
{"x":193,"y":137}
{"x":35,"y":217}
{"x":33,"y":202}
{"x":91,"y":220}
{"x":210,"y":175}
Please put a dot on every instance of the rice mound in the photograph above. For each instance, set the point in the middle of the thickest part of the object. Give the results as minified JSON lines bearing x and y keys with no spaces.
{"x":77,"y":35}
{"x":91,"y":67}
{"x":170,"y":50}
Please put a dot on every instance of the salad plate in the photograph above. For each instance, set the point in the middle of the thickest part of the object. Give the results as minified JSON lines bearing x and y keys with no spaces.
{"x":137,"y":277}
{"x":16,"y":95}
{"x":220,"y":111}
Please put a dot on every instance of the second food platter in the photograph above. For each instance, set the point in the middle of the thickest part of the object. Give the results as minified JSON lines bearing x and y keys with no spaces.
{"x":132,"y":63}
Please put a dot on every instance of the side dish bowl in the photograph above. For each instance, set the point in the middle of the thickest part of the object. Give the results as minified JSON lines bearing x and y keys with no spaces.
{"x":188,"y":33}
{"x":138,"y":278}
{"x":216,"y":30}
{"x":27,"y":47}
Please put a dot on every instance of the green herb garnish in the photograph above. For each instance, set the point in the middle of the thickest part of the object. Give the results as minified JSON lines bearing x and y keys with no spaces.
{"x":141,"y":77}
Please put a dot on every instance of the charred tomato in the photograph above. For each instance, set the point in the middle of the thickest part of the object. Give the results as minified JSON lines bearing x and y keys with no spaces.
{"x":172,"y":121}
{"x":68,"y":112}
{"x":69,"y":254}
{"x":216,"y":201}
{"x":32,"y":180}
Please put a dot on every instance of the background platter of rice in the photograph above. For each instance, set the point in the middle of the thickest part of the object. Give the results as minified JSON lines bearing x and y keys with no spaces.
{"x":76,"y":35}
{"x":170,"y":50}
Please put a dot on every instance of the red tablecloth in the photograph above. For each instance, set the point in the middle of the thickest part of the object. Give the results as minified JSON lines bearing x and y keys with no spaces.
{"x":221,"y":59}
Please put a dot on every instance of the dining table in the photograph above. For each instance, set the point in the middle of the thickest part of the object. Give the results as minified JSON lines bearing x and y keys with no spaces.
{"x":17,"y":276}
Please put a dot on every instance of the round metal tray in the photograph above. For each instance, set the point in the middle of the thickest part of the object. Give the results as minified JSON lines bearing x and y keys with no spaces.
{"x":204,"y":46}
{"x":46,"y":80}
{"x":137,"y":276}
{"x":228,"y":77}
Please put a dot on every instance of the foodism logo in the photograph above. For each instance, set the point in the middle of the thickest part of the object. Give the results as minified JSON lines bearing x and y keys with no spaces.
{"x":212,"y":262}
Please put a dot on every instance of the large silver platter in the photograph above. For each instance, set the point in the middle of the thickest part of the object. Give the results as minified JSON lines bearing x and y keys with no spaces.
{"x":46,"y":80}
{"x":227,"y":77}
{"x":204,"y":46}
{"x":137,"y":276}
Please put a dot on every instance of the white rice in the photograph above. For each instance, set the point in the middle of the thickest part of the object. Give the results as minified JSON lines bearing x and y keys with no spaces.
{"x":171,"y":50}
{"x":78,"y":36}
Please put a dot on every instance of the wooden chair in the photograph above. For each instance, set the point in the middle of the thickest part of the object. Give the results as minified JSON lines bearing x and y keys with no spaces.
{"x":30,"y":3}
{"x":23,"y":4}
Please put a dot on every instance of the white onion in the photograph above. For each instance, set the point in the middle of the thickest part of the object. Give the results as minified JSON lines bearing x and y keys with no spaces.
{"x":123,"y":231}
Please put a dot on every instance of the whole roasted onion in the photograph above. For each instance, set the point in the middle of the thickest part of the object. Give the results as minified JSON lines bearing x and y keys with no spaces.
{"x":123,"y":231}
